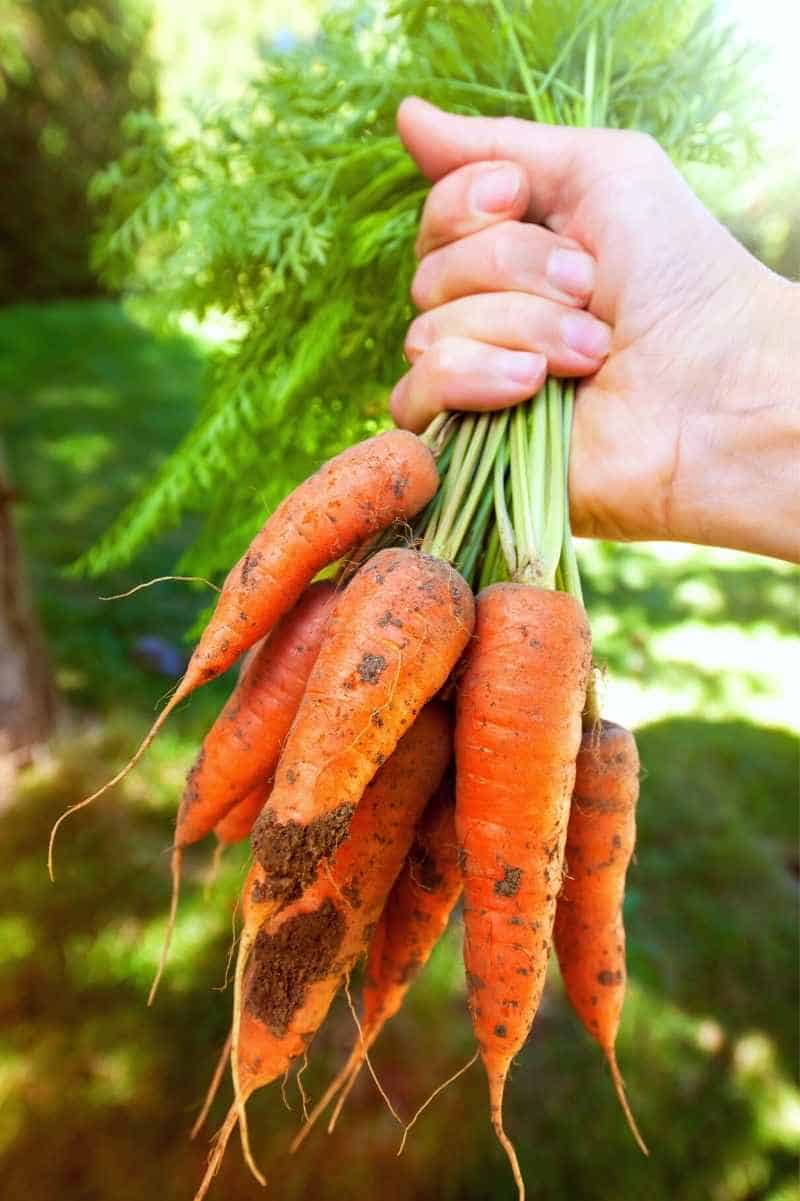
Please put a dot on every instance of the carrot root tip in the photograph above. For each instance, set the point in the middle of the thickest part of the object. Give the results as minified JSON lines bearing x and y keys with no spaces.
{"x":507,"y":1145}
{"x":215,"y":1159}
{"x":213,"y":1087}
{"x":619,"y":1088}
{"x":182,"y":690}
{"x":175,"y":869}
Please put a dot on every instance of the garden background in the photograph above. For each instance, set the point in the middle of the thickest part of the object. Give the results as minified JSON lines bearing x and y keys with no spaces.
{"x":97,"y":1093}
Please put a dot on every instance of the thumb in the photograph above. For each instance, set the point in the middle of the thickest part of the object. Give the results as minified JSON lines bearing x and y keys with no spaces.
{"x":551,"y":155}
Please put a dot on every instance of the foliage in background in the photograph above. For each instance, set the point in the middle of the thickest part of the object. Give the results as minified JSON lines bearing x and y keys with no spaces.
{"x":69,"y":71}
{"x":708,"y":1042}
{"x":293,"y":213}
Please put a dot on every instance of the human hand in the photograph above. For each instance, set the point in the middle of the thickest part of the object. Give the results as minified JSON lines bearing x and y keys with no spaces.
{"x":688,"y":425}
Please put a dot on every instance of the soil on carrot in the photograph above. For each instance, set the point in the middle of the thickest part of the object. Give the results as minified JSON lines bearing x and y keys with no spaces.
{"x":509,"y":885}
{"x":290,"y":852}
{"x":285,"y":963}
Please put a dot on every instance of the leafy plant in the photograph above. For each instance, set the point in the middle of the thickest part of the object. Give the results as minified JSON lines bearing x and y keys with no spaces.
{"x":293,"y":213}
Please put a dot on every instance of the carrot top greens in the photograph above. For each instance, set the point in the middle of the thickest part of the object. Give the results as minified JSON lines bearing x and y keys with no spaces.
{"x":293,"y":213}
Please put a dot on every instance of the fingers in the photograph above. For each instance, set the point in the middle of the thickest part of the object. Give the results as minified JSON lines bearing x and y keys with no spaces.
{"x":509,"y":256}
{"x":574,"y":342}
{"x":439,"y":142}
{"x":470,"y":199}
{"x":462,"y":373}
{"x":560,"y":163}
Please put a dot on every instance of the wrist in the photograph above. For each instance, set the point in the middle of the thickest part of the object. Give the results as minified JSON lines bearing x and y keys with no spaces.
{"x":738,"y":480}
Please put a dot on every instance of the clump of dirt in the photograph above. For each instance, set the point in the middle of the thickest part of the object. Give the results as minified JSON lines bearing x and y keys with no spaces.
{"x":290,"y":853}
{"x":285,"y":963}
{"x":371,"y":668}
{"x":509,"y":885}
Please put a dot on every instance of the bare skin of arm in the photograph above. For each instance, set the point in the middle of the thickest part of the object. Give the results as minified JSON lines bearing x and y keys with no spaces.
{"x":584,"y":253}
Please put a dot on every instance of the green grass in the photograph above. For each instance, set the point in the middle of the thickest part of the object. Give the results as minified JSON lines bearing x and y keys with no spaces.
{"x":97,"y":1093}
{"x":89,"y":406}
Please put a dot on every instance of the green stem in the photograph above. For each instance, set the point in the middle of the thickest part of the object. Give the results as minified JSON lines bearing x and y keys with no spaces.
{"x":495,"y":424}
{"x":459,"y":482}
{"x":528,"y":567}
{"x":469,"y":554}
{"x":553,"y":530}
{"x":504,"y":528}
{"x":568,"y":565}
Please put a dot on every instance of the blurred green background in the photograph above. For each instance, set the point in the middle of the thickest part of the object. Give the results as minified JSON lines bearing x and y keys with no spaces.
{"x":97,"y":1093}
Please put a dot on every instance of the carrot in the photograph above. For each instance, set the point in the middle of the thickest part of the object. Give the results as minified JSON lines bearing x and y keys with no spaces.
{"x":392,"y":639}
{"x":240,"y":752}
{"x":302,"y":955}
{"x":589,"y":932}
{"x":412,"y":922}
{"x":359,"y":492}
{"x":238,"y":822}
{"x":518,"y":729}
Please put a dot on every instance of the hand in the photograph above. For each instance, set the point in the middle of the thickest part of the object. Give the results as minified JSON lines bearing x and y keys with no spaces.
{"x":688,"y":425}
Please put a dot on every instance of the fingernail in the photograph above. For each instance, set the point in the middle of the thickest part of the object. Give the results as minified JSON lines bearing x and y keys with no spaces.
{"x":587,"y":335}
{"x":496,"y":190}
{"x":571,"y":271}
{"x":519,"y":366}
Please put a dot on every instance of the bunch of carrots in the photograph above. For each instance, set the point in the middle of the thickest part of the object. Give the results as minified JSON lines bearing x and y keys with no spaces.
{"x":416,"y":721}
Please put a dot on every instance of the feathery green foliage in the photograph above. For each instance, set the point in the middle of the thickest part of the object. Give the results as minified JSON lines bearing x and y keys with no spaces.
{"x":294,"y":212}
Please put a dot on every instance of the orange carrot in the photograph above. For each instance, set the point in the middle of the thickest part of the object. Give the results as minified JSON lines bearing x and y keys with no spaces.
{"x":392,"y":639}
{"x":241,"y":750}
{"x":359,"y":492}
{"x":589,"y":933}
{"x":518,"y":729}
{"x":412,"y":922}
{"x":238,"y":822}
{"x":302,"y":955}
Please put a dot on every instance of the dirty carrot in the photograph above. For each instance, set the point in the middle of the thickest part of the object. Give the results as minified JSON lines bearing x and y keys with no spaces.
{"x":301,"y":955}
{"x":354,"y":495}
{"x":518,"y":729}
{"x":589,"y":933}
{"x":391,"y":641}
{"x":240,"y":752}
{"x":411,"y":924}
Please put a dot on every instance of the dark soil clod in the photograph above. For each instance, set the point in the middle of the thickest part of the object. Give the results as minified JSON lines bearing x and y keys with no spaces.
{"x":509,"y":885}
{"x":290,"y":853}
{"x":301,"y":951}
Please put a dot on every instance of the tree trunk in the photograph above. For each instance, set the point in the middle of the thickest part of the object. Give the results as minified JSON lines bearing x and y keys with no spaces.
{"x":27,"y":695}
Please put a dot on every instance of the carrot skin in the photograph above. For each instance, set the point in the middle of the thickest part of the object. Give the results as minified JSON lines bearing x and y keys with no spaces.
{"x":354,"y":495}
{"x":238,"y":822}
{"x":589,"y":931}
{"x":240,"y":751}
{"x":518,"y":729}
{"x":413,"y":920}
{"x":302,"y":954}
{"x":391,"y":641}
{"x":415,"y":915}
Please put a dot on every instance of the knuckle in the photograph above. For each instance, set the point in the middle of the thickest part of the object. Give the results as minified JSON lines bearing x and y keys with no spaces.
{"x":442,"y":363}
{"x":503,"y":251}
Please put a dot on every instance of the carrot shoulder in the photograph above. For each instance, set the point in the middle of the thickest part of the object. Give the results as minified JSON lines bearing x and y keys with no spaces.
{"x":353,"y":496}
{"x":518,"y":729}
{"x":392,"y":639}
